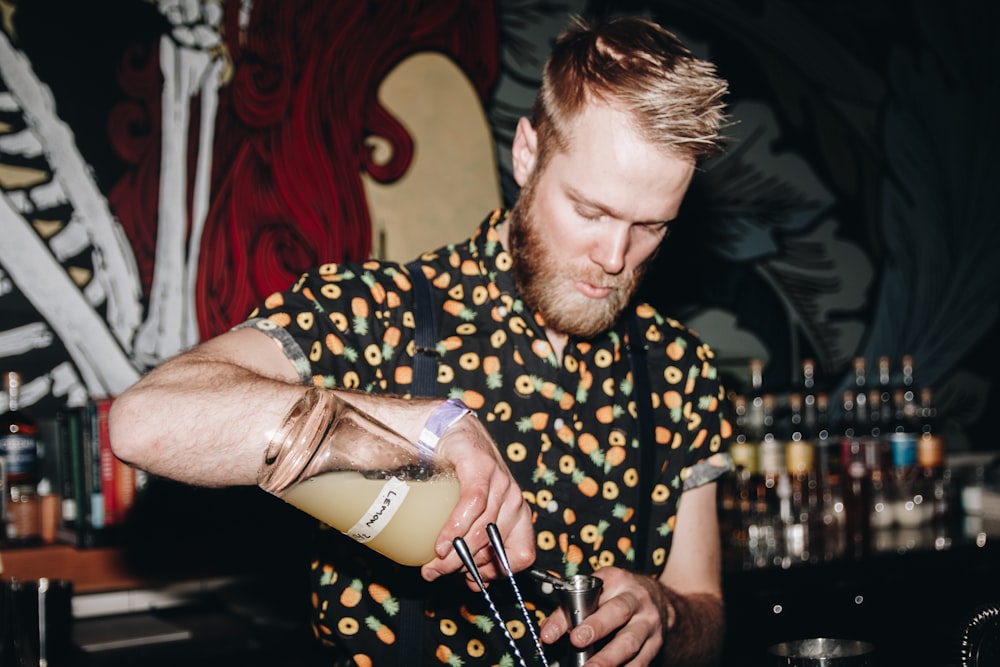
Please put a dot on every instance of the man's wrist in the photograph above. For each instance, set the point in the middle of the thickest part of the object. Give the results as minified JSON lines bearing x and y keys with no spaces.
{"x":443,"y":418}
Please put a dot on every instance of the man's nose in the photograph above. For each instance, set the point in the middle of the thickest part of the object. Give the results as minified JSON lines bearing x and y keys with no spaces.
{"x":610,"y":249}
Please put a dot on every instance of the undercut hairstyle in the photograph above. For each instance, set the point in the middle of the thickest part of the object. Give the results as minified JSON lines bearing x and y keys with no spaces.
{"x":674,"y":99}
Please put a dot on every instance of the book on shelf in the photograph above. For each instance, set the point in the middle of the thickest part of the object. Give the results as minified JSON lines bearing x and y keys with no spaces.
{"x":104,"y":492}
{"x":97,"y":488}
{"x":65,"y":439}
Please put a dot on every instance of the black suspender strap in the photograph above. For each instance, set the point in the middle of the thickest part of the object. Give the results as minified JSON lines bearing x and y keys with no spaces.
{"x":636,"y":351}
{"x":425,"y":360}
{"x":425,"y":337}
{"x":412,"y":618}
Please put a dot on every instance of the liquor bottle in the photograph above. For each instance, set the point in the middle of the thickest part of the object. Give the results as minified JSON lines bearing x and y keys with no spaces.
{"x":799,"y":509}
{"x":885,"y":390}
{"x":828,"y":469}
{"x":831,"y":481}
{"x":860,"y":398}
{"x":771,"y":454}
{"x":878,"y":460}
{"x":908,"y":507}
{"x":807,"y":435}
{"x":906,"y":384}
{"x":856,"y":492}
{"x":879,"y":422}
{"x":907,"y":499}
{"x":759,"y":520}
{"x":771,"y":459}
{"x":810,"y":410}
{"x":755,"y":402}
{"x":19,"y":450}
{"x":899,"y":421}
{"x":742,"y":450}
{"x":931,"y":450}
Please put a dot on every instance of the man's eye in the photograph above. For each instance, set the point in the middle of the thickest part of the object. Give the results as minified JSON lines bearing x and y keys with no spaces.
{"x":656,"y":228}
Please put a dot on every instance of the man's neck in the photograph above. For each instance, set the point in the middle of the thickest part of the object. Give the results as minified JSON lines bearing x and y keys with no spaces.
{"x":558,"y":342}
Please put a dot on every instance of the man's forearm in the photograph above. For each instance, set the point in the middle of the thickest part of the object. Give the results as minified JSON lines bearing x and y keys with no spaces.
{"x":696,"y":633}
{"x":222,"y":416}
{"x":217,"y":427}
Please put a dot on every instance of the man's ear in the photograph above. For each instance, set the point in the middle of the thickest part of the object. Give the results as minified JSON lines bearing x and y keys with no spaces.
{"x":524,"y":151}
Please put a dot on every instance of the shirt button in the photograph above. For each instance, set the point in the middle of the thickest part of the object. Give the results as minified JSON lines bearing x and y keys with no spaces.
{"x":558,"y":423}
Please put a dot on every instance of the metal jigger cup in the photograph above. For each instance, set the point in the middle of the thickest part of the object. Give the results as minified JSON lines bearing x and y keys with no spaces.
{"x":578,"y":595}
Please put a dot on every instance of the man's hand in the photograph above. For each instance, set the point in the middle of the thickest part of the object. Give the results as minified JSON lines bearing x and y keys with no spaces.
{"x":633,"y":612}
{"x":677,"y":619}
{"x":489,"y":494}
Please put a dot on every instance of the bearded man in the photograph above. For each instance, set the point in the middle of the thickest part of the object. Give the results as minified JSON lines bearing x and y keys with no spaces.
{"x":537,"y":331}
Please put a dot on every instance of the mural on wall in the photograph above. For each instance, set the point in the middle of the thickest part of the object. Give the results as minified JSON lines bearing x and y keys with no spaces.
{"x":242,"y":156}
{"x":854,"y":213}
{"x":157,"y":182}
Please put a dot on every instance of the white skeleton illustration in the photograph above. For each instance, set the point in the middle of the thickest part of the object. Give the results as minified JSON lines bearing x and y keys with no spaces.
{"x":108,"y":353}
{"x":99,"y":347}
{"x":192,"y":59}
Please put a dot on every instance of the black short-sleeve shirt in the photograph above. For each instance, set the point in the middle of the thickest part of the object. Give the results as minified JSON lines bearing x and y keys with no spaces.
{"x":567,"y":429}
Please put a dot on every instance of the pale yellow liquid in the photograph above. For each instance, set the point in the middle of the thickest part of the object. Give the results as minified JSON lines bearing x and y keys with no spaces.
{"x":339,"y":499}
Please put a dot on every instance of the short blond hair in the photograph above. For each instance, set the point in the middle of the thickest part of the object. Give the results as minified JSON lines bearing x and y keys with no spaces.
{"x":674,"y":98}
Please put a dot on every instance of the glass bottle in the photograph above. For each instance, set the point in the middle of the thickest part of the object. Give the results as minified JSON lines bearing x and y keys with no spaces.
{"x":878,"y":421}
{"x":878,"y":460}
{"x":885,"y":389}
{"x":771,"y":454}
{"x":931,"y":452}
{"x":860,"y":397}
{"x":755,"y":402}
{"x":809,"y":433}
{"x":908,"y":501}
{"x":806,"y":435}
{"x":809,"y":414}
{"x":802,"y":502}
{"x":856,"y":491}
{"x":19,"y":450}
{"x":771,"y":459}
{"x":908,"y":389}
{"x":908,"y":507}
{"x":360,"y":477}
{"x":830,"y":480}
{"x":899,"y":421}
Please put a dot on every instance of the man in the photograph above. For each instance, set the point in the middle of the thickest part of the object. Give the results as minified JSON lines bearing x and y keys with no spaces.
{"x":533,"y":318}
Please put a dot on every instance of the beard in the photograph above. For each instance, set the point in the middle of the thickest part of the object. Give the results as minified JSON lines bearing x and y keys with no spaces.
{"x":544,"y":278}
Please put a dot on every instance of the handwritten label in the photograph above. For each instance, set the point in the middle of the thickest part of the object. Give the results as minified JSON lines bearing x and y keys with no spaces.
{"x":380,"y":512}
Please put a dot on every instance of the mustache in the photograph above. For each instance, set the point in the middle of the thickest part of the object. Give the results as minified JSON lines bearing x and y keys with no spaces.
{"x":618,"y":283}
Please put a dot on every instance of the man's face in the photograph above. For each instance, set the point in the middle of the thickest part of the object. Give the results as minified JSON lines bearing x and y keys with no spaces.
{"x":586,"y":226}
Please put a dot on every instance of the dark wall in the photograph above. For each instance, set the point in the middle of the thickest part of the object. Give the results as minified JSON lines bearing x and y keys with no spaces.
{"x":854,"y":213}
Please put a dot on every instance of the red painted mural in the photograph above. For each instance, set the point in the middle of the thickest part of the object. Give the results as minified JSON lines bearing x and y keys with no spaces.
{"x":300,"y":98}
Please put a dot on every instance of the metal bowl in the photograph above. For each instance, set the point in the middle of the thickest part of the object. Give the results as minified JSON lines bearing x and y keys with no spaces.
{"x":822,"y":652}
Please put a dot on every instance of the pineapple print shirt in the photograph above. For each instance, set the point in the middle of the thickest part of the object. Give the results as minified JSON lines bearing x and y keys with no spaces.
{"x":567,"y":430}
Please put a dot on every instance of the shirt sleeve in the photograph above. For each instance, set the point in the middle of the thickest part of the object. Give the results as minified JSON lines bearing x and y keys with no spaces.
{"x":342,"y":325}
{"x":285,"y":341}
{"x":712,"y":459}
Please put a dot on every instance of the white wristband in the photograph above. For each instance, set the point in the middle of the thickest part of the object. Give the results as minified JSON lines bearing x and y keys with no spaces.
{"x":440,"y":421}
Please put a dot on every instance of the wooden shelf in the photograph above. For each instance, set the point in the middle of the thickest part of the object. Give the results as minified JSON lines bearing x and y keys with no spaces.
{"x":91,"y":570}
